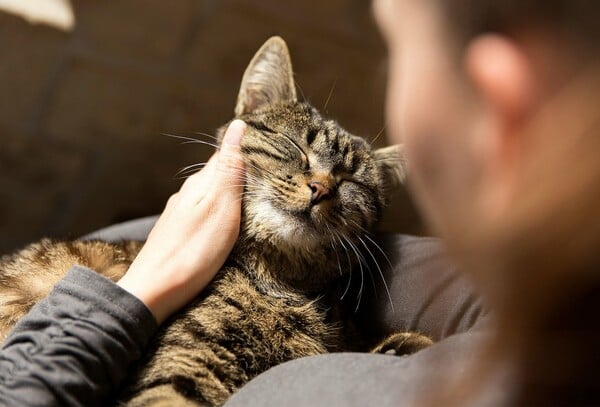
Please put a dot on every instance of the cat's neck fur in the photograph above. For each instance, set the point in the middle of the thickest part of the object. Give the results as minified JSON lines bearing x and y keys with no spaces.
{"x":278,"y":267}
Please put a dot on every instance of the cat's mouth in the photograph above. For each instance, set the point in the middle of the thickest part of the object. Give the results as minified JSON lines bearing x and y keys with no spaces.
{"x":313,"y":217}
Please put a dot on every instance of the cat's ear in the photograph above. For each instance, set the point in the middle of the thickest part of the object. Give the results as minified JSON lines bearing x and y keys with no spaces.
{"x":268,"y":78}
{"x":392,"y":163}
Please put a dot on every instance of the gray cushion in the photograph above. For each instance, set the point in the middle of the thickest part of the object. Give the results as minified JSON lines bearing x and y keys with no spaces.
{"x":137,"y":229}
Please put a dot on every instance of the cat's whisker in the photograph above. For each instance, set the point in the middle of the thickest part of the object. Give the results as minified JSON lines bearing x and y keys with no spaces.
{"x":333,"y":247}
{"x":188,"y":140}
{"x":206,"y":135}
{"x":362,"y":277}
{"x":245,"y":185}
{"x":235,"y":187}
{"x":380,"y":272}
{"x":193,"y":168}
{"x":252,"y":179}
{"x":238,"y":200}
{"x":301,"y":92}
{"x":358,"y":237}
{"x":252,"y":187}
{"x":250,"y":192}
{"x":185,"y":175}
{"x":329,"y":95}
{"x":368,"y":267}
{"x":248,"y":163}
{"x":378,"y":135}
{"x":195,"y":142}
{"x":373,"y":285}
{"x":366,"y":235}
{"x":381,"y":250}
{"x":365,"y":263}
{"x":360,"y":227}
{"x":349,"y":265}
{"x":248,"y":175}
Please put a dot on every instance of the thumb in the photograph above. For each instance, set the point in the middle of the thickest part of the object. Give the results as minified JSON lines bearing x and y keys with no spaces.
{"x":230,"y":161}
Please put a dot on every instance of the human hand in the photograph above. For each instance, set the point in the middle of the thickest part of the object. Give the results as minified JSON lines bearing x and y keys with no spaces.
{"x":194,"y":235}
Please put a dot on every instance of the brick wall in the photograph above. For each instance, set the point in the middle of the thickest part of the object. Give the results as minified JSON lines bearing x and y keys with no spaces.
{"x":82,"y":112}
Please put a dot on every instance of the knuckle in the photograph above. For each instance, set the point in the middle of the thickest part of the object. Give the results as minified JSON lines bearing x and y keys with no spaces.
{"x":211,"y":209}
{"x":173,"y":199}
{"x":189,"y":181}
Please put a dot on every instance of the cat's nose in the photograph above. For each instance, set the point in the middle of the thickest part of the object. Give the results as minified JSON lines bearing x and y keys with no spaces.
{"x":320,"y":192}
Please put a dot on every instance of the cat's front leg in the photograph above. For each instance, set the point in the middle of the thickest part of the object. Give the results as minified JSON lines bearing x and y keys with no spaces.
{"x":402,"y":343}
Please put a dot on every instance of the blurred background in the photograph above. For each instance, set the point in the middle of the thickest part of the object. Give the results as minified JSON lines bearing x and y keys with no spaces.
{"x":87,"y":87}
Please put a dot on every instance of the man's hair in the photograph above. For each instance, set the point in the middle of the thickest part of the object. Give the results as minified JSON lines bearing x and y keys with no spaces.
{"x":573,"y":20}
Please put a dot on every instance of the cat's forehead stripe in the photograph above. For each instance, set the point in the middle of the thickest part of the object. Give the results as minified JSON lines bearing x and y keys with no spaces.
{"x":323,"y":140}
{"x":311,"y":134}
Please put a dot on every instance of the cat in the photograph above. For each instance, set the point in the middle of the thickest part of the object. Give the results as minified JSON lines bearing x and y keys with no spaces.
{"x":312,"y":191}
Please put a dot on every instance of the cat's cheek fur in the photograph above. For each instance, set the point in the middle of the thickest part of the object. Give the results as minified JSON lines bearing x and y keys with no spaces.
{"x":357,"y":208}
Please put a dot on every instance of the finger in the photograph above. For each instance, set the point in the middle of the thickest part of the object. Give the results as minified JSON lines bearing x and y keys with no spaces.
{"x":193,"y":184}
{"x":230,"y":165}
{"x":223,"y":172}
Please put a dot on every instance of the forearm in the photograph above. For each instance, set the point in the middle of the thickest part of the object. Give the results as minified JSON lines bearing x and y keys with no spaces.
{"x":75,"y":346}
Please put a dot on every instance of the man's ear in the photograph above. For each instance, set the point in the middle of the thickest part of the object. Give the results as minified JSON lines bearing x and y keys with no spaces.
{"x":501,"y":74}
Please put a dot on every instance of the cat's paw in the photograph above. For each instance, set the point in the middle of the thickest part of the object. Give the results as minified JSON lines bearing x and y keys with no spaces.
{"x":403,"y":343}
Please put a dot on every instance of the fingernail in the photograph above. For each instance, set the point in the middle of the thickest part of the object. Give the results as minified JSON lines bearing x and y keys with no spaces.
{"x":234,"y":132}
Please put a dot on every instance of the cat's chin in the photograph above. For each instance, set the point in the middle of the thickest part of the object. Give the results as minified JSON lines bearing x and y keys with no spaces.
{"x":294,"y":228}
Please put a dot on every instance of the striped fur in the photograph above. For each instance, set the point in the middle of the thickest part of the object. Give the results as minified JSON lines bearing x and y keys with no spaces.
{"x":272,"y":301}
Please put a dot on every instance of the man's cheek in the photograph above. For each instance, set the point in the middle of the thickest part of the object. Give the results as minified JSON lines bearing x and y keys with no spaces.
{"x":394,"y":104}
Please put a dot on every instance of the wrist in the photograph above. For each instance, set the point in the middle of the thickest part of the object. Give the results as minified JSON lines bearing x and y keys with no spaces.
{"x":155,"y":299}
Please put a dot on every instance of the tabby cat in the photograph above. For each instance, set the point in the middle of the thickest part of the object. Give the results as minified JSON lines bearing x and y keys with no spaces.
{"x":312,"y":192}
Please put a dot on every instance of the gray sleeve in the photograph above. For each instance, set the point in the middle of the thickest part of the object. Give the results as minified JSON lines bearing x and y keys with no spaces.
{"x":75,"y":346}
